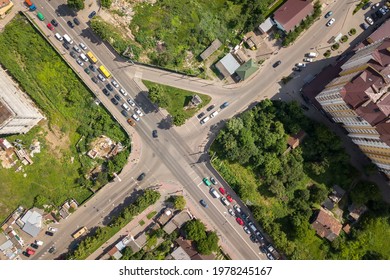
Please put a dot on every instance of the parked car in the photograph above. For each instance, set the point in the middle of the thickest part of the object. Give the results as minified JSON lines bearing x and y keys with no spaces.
{"x":297,"y":69}
{"x":203,"y":203}
{"x":154,"y":133}
{"x":210,"y":108}
{"x":138,"y":112}
{"x":30,"y":251}
{"x":365,"y":26}
{"x":224,"y":105}
{"x":276,"y":64}
{"x":131,"y":102}
{"x":34,"y":245}
{"x":231,"y":212}
{"x":201,"y":115}
{"x":124,"y":113}
{"x":207,"y":182}
{"x":92,"y":67}
{"x":76,"y":21}
{"x":131,"y":122}
{"x":84,"y":47}
{"x":54,"y":22}
{"x":66,"y":45}
{"x":237,"y":208}
{"x":80,"y":62}
{"x":76,"y":48}
{"x":101,"y":77}
{"x":52,"y":250}
{"x":73,"y":54}
{"x":330,"y":22}
{"x":253,"y":238}
{"x":240,"y":221}
{"x":300,"y":65}
{"x":117,"y":97}
{"x":114,"y":83}
{"x":49,"y":233}
{"x":123,"y":92}
{"x":135,"y":117}
{"x":95,"y":80}
{"x":86,"y":70}
{"x":110,"y":88}
{"x":269,"y":256}
{"x":222,"y":190}
{"x":213,"y":181}
{"x":308,"y":59}
{"x":369,"y":21}
{"x":50,"y":26}
{"x":71,"y":25}
{"x":106,"y":92}
{"x":328,"y":14}
{"x":376,"y":5}
{"x":91,"y":15}
{"x":229,"y":198}
{"x":114,"y":101}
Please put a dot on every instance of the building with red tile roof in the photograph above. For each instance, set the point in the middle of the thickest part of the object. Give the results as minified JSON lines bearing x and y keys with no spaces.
{"x":326,"y":225}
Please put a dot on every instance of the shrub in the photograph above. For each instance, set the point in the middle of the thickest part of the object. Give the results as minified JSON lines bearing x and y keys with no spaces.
{"x":344,"y":39}
{"x":335,"y":46}
{"x":327,"y":53}
{"x":352,"y":31}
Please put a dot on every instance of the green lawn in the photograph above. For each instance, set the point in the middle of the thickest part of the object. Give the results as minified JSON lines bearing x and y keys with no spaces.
{"x":67,"y":104}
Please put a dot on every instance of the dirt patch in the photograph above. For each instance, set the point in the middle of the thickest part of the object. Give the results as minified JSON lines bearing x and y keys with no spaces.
{"x":56,"y":140}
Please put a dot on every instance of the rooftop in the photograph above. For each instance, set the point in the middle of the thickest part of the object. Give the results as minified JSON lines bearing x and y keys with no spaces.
{"x":326,"y":225}
{"x":247,"y":69}
{"x":292,"y":13}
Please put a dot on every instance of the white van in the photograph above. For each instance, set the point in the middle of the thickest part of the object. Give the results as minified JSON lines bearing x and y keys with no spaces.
{"x":126,"y":107}
{"x":204,"y":120}
{"x":312,"y":54}
{"x":83,"y":57}
{"x":214,"y":114}
{"x":214,"y":193}
{"x":59,"y":37}
{"x":68,"y":39}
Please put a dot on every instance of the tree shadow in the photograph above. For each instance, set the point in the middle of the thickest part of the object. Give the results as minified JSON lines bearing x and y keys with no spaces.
{"x":166,"y":123}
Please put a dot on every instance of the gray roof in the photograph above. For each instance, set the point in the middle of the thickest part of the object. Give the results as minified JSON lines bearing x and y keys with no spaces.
{"x":266,"y":25}
{"x":32,"y":222}
{"x":212,"y":48}
{"x":7,"y":245}
{"x":230,"y":63}
{"x":180,"y":254}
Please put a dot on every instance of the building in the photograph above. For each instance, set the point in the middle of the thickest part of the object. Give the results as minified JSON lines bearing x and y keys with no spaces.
{"x":358,"y":98}
{"x":211,"y":49}
{"x":291,"y":14}
{"x":17,"y":112}
{"x":5,"y":6}
{"x":31,"y":222}
{"x":267,"y":25}
{"x":247,"y":69}
{"x":296,"y":140}
{"x":227,"y":65}
{"x":326,"y":225}
{"x":382,"y":32}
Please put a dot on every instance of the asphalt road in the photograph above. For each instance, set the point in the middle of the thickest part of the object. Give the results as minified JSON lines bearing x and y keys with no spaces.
{"x":178,"y":153}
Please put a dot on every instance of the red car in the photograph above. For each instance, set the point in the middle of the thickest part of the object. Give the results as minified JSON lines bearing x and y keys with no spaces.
{"x":50,"y":26}
{"x":240,"y":221}
{"x":228,"y":197}
{"x":222,"y":191}
{"x":30,"y":251}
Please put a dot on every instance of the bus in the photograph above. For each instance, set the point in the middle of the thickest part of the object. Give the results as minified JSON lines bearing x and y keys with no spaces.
{"x":104,"y":71}
{"x":80,"y":232}
{"x":91,"y":57}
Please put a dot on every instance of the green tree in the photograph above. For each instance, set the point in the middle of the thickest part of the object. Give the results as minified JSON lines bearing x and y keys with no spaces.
{"x":179,"y":202}
{"x":318,"y":193}
{"x":40,"y":200}
{"x":76,"y":4}
{"x":195,"y":230}
{"x":179,"y":119}
{"x":209,"y":244}
{"x":106,"y":3}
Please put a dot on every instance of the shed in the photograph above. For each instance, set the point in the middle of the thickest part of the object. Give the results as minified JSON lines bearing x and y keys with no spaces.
{"x":265,"y":26}
{"x":211,"y":49}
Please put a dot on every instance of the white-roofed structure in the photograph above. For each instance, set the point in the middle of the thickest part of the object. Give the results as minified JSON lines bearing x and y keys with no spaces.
{"x":266,"y":25}
{"x":227,"y":65}
{"x":32,"y":222}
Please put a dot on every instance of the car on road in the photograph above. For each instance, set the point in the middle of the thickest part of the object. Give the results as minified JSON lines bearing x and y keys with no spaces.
{"x":73,"y":54}
{"x":201,"y":115}
{"x":154,"y":133}
{"x":76,"y":48}
{"x":203,"y":203}
{"x":83,"y":46}
{"x":276,"y":64}
{"x":231,"y":212}
{"x":80,"y":62}
{"x":259,"y":235}
{"x":106,"y":92}
{"x":308,"y":59}
{"x":86,"y":70}
{"x":131,"y":122}
{"x":224,"y":105}
{"x":138,"y":112}
{"x":304,"y":107}
{"x":224,"y":201}
{"x":117,"y":97}
{"x":91,"y":15}
{"x":50,"y":26}
{"x":34,"y":245}
{"x":382,"y":11}
{"x":240,"y":221}
{"x":30,"y":251}
{"x":49,"y":233}
{"x":369,"y":21}
{"x":66,"y":45}
{"x":76,"y":21}
{"x":114,"y":83}
{"x":141,"y":176}
{"x":131,"y":102}
{"x":269,"y":256}
{"x":124,"y":113}
{"x":95,"y":80}
{"x":210,"y":108}
{"x":365,"y":26}
{"x":222,"y":190}
{"x":52,"y":250}
{"x":123,"y":92}
{"x":300,"y":65}
{"x":207,"y":182}
{"x":92,"y":67}
{"x":71,"y":25}
{"x":213,"y":181}
{"x":237,"y":208}
{"x":330,"y":22}
{"x":52,"y":229}
{"x":135,"y":117}
{"x":244,"y":216}
{"x":101,"y":77}
{"x":247,"y":231}
{"x":110,"y":88}
{"x":229,"y":198}
{"x":114,"y":101}
{"x":376,"y":5}
{"x":54,"y":22}
{"x":328,"y":14}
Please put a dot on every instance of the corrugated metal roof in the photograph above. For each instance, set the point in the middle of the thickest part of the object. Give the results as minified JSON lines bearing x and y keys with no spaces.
{"x":230,"y":63}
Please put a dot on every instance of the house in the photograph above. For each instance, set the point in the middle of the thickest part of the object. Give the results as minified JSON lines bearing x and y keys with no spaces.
{"x":347,"y":228}
{"x":328,"y":204}
{"x":196,"y":100}
{"x":211,"y":49}
{"x":164,"y":217}
{"x":227,"y":65}
{"x":337,"y":194}
{"x":291,"y":14}
{"x":294,"y":141}
{"x":355,"y":212}
{"x":190,"y":251}
{"x":326,"y":225}
{"x":31,"y":222}
{"x":180,"y":254}
{"x":115,"y":253}
{"x":382,"y":32}
{"x":5,"y":6}
{"x":177,"y":222}
{"x":267,"y":25}
{"x":247,"y":69}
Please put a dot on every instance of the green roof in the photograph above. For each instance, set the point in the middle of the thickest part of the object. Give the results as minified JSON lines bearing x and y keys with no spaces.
{"x":247,"y":69}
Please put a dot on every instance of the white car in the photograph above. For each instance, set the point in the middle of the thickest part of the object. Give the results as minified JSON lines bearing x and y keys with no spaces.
{"x":237,"y":208}
{"x":101,"y":77}
{"x":52,"y":229}
{"x":369,"y":21}
{"x":307,"y":59}
{"x":301,"y":65}
{"x":84,"y":47}
{"x":330,"y":22}
{"x":124,"y":93}
{"x":131,"y":102}
{"x":80,"y":62}
{"x":231,"y":212}
{"x":76,"y":48}
{"x":114,"y":83}
{"x":246,"y":229}
{"x":138,"y":112}
{"x":135,"y":117}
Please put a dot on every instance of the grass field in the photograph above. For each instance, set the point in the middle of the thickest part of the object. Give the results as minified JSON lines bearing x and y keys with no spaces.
{"x":67,"y":104}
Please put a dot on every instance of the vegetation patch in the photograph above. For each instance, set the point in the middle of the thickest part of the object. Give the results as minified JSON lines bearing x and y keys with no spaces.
{"x":359,"y":6}
{"x":151,"y":214}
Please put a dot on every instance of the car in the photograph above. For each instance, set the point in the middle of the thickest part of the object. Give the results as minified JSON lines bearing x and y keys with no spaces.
{"x":76,"y":21}
{"x":110,"y":88}
{"x":365,"y":26}
{"x":247,"y":231}
{"x":131,"y":122}
{"x":66,"y":45}
{"x":276,"y":64}
{"x":83,"y":46}
{"x":114,"y":83}
{"x":263,"y":249}
{"x":138,"y":112}
{"x":297,"y":69}
{"x":330,"y":22}
{"x":210,"y":108}
{"x":54,"y":22}
{"x":201,"y":115}
{"x":114,"y":101}
{"x":76,"y":48}
{"x":49,"y":233}
{"x":382,"y":11}
{"x":52,"y":229}
{"x":207,"y":182}
{"x":30,"y":251}
{"x":154,"y":133}
{"x":231,"y":212}
{"x":141,"y":176}
{"x":52,"y":250}
{"x":259,"y":235}
{"x":253,"y":238}
{"x":106,"y":92}
{"x":376,"y":5}
{"x":222,"y":190}
{"x":224,"y":105}
{"x":213,"y":181}
{"x":131,"y":102}
{"x":124,"y":113}
{"x":300,"y":65}
{"x":95,"y":80}
{"x":245,"y":216}
{"x":240,"y":221}
{"x":71,"y":25}
{"x":34,"y":245}
{"x":308,"y":59}
{"x":50,"y":26}
{"x":374,"y":17}
{"x":366,"y":6}
{"x":237,"y":208}
{"x":91,"y":15}
{"x":117,"y":97}
{"x":203,"y":203}
{"x":269,"y":256}
{"x":135,"y":117}
{"x":80,"y":62}
{"x":124,"y":93}
{"x":229,"y":198}
{"x":328,"y":14}
{"x":92,"y":67}
{"x":73,"y":54}
{"x":101,"y":77}
{"x":386,"y":9}
{"x":369,"y":20}
{"x":86,"y":70}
